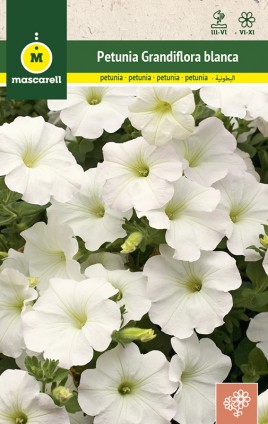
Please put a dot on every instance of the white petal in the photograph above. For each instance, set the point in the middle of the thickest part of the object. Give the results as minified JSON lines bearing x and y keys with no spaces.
{"x":257,"y":331}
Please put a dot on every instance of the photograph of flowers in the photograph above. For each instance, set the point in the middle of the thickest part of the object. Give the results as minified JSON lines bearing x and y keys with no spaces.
{"x":133,"y":252}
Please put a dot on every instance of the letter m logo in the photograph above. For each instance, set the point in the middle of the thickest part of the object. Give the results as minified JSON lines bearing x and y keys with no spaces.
{"x":36,"y":57}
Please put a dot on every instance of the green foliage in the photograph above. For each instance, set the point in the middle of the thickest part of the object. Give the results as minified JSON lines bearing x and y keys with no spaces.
{"x":251,"y":361}
{"x":11,"y":109}
{"x":46,"y":371}
{"x":15,"y":216}
{"x":253,"y":294}
{"x":255,"y":367}
{"x":80,"y":147}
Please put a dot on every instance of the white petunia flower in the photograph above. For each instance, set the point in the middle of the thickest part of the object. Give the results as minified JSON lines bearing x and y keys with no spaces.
{"x":111,"y":261}
{"x":163,"y":113}
{"x":16,"y":260}
{"x":131,"y":288}
{"x":190,"y":295}
{"x":90,"y":110}
{"x":248,"y":103}
{"x":209,"y":153}
{"x":50,"y":249}
{"x":191,"y":219}
{"x":263,"y":408}
{"x":257,"y":331}
{"x":36,"y":161}
{"x":87,"y":214}
{"x":128,"y":388}
{"x":71,"y":319}
{"x":244,"y":201}
{"x":196,"y":368}
{"x":139,"y":175}
{"x":22,"y":403}
{"x":15,"y":297}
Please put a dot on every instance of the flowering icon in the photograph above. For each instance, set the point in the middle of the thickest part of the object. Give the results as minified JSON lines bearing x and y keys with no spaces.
{"x":246,"y":19}
{"x":239,"y":400}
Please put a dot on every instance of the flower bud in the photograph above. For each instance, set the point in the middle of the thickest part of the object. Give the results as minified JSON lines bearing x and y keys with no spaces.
{"x":264,"y":241}
{"x":127,"y":335}
{"x":62,"y":394}
{"x":132,"y":242}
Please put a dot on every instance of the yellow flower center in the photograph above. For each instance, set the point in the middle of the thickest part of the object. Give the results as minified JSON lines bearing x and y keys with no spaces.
{"x":163,"y":107}
{"x":94,"y":101}
{"x":125,"y":388}
{"x":195,"y":285}
{"x":20,"y":418}
{"x":143,"y":172}
{"x":94,"y":97}
{"x":100,"y":212}
{"x":95,"y":207}
{"x":140,"y":168}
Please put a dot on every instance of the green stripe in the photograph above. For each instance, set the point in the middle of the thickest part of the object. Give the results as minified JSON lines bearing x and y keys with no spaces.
{"x":82,"y":56}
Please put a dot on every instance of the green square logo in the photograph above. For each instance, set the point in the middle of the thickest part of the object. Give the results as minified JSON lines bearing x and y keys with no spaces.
{"x":36,"y":49}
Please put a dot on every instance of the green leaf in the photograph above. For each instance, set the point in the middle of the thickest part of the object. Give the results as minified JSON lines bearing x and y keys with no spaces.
{"x":257,"y":360}
{"x":258,"y":139}
{"x":61,"y":374}
{"x":201,"y":110}
{"x":260,"y":300}
{"x":257,"y":275}
{"x":26,"y":209}
{"x":259,"y":250}
{"x":27,"y":215}
{"x":72,"y":405}
{"x":255,"y":367}
{"x":242,"y":351}
{"x":3,"y":244}
{"x":245,"y":147}
{"x":7,"y":202}
{"x":80,"y":148}
{"x":250,"y":378}
{"x":263,"y":170}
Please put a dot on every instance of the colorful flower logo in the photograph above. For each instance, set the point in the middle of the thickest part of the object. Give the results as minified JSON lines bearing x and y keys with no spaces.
{"x":239,"y":400}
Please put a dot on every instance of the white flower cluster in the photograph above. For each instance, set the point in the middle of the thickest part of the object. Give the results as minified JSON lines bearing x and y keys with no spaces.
{"x":190,"y":182}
